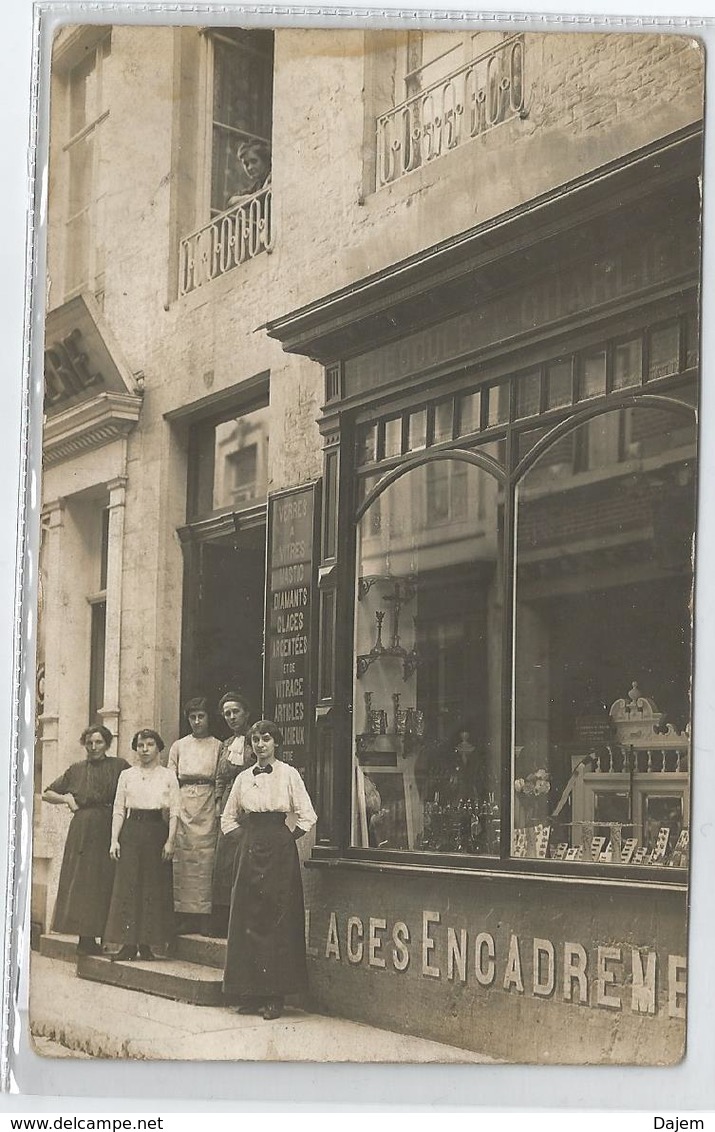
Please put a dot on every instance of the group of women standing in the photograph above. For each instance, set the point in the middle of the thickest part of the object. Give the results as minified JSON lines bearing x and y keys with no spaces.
{"x":208,"y":839}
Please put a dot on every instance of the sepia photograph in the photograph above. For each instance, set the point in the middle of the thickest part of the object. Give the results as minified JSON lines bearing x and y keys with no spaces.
{"x":366,"y":575}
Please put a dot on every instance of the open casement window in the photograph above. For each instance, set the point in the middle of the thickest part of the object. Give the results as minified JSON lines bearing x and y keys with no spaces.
{"x":602,"y":653}
{"x":241,"y":107}
{"x":84,"y":251}
{"x":234,"y":200}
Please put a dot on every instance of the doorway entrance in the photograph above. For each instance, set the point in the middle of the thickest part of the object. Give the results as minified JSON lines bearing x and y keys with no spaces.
{"x":222,"y":638}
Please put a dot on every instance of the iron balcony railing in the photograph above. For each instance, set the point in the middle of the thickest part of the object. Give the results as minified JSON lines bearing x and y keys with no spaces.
{"x":228,"y":240}
{"x":472,"y":99}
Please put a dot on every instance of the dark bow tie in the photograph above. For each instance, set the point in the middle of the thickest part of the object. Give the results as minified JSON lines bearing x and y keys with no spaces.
{"x":263,"y":769}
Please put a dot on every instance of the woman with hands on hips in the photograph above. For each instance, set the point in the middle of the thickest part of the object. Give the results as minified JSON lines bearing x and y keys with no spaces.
{"x":87,"y":789}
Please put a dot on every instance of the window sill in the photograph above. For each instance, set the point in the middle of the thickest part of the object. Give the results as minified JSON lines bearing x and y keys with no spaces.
{"x":552,"y":872}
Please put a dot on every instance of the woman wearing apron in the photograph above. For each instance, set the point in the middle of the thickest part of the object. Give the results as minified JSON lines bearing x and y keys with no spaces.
{"x":194,"y":760}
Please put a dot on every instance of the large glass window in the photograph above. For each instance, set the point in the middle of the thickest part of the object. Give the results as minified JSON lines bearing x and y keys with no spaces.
{"x":427,"y":669}
{"x":602,"y":648}
{"x":488,"y":523}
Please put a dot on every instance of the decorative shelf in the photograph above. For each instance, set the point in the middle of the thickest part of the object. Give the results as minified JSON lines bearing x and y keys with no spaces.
{"x":405,"y":588}
{"x":410,"y":660}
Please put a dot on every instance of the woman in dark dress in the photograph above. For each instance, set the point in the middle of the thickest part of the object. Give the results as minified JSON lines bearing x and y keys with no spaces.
{"x":235,"y":755}
{"x":265,"y":951}
{"x":144,"y":821}
{"x":87,"y":788}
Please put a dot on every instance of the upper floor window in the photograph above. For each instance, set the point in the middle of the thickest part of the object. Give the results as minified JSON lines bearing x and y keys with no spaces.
{"x":229,"y":464}
{"x":241,"y":114}
{"x":449,"y":88}
{"x":236,"y":209}
{"x":86,"y":110}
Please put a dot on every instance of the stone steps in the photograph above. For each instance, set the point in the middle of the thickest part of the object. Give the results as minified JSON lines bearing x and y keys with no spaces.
{"x":55,"y":946}
{"x":191,"y":974}
{"x":166,"y":978}
{"x":205,"y":950}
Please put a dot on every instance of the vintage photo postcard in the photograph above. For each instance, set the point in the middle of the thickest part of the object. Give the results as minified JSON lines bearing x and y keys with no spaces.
{"x":364,"y":657}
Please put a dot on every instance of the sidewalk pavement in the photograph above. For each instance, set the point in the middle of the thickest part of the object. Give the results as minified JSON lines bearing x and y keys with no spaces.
{"x":92,"y":1019}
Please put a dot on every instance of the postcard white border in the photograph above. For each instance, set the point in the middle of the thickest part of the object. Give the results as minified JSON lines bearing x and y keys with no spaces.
{"x":126,"y":1086}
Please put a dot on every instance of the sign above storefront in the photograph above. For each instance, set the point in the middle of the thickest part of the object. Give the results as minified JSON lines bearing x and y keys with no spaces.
{"x":574,"y":289}
{"x":290,"y":652}
{"x":82,"y":360}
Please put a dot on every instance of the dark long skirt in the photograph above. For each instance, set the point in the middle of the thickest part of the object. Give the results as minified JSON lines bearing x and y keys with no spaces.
{"x":142,"y":907}
{"x":225,"y":867}
{"x":87,"y":874}
{"x":265,"y":952}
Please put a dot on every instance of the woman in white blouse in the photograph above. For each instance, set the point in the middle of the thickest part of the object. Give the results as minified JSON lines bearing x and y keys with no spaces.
{"x":144,"y":820}
{"x":265,"y":952}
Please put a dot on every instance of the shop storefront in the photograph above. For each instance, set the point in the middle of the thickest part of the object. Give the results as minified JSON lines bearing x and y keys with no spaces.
{"x":501,"y":641}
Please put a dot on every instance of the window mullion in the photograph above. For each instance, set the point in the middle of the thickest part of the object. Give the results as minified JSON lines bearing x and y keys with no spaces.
{"x":507,"y":636}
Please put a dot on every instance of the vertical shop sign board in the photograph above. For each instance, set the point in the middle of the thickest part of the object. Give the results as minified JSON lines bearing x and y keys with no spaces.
{"x":290,"y":618}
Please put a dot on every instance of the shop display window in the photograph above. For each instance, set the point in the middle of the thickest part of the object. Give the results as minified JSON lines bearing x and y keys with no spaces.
{"x":602,"y":644}
{"x":426,"y":681}
{"x":521,"y":637}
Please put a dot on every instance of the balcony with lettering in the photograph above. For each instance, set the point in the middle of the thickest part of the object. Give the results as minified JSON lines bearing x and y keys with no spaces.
{"x":446,"y":113}
{"x":228,"y":240}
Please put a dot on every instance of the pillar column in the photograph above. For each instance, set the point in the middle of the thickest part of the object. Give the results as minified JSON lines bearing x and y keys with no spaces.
{"x":51,"y":612}
{"x":113,"y":628}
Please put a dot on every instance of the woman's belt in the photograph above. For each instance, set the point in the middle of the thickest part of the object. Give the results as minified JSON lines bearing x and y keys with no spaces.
{"x":95,"y":806}
{"x":268,"y":817}
{"x":197,"y":782}
{"x":146,"y":815}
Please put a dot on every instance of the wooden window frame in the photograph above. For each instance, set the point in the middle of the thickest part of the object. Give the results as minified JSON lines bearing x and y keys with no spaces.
{"x":340,"y":429}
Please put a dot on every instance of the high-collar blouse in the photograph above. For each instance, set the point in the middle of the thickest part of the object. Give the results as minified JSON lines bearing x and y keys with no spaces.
{"x":282,"y":792}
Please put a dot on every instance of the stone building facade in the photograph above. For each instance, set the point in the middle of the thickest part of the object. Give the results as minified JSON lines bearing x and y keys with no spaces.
{"x":443,"y":210}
